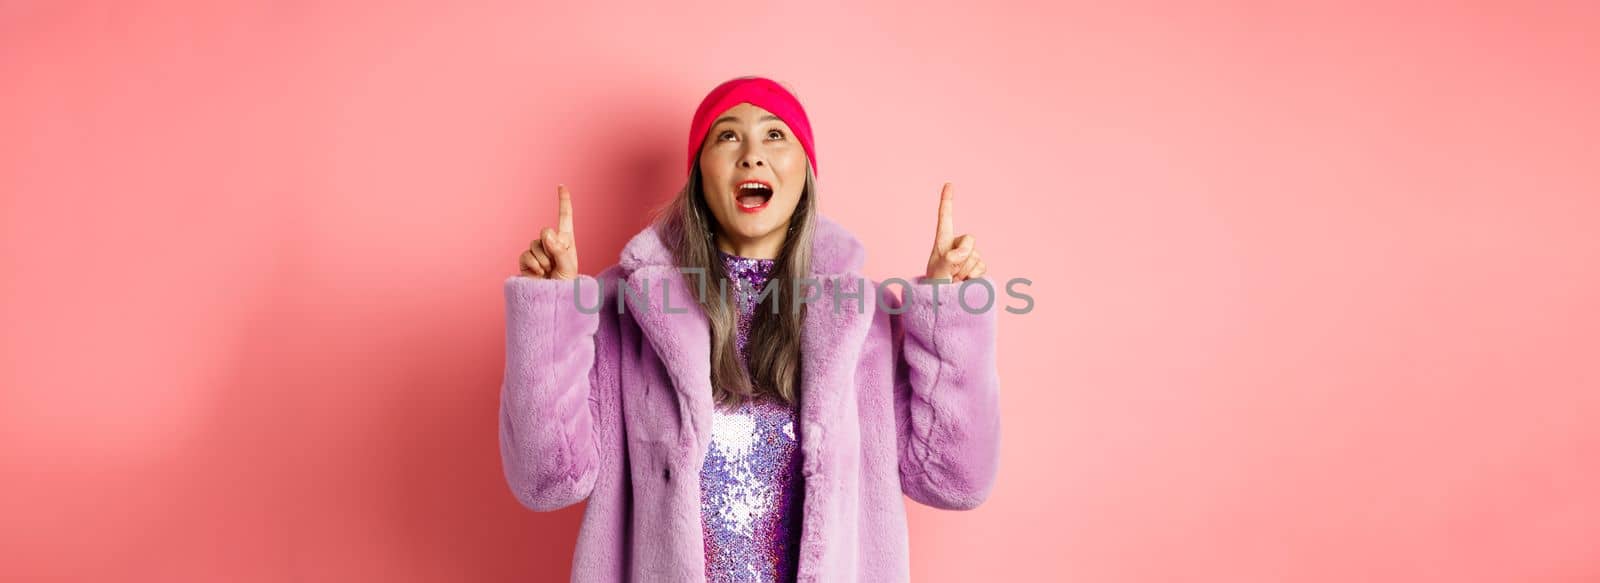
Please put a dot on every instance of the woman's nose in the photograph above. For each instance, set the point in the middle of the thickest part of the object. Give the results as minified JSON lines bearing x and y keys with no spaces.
{"x":749,"y":162}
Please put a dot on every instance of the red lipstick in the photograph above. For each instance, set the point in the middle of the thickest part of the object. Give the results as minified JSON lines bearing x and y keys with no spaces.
{"x":739,"y":192}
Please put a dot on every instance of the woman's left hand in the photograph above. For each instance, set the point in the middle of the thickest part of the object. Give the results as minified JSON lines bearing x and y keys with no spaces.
{"x":954,"y":258}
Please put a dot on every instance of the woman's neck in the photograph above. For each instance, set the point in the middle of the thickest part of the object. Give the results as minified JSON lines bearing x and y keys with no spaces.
{"x":764,"y":248}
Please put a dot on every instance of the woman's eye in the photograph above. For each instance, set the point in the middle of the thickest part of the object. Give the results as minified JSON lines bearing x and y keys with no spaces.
{"x":773,"y":134}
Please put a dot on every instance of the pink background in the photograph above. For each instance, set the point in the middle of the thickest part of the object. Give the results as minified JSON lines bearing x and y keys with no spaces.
{"x":1315,"y":286}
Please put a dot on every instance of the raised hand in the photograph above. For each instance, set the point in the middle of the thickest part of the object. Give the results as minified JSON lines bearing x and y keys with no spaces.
{"x":554,"y":255}
{"x":954,"y":258}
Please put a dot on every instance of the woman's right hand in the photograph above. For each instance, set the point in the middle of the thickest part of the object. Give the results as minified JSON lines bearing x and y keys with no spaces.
{"x":554,"y":255}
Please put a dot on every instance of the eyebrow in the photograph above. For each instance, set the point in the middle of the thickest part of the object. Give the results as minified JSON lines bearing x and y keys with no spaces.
{"x":724,"y":118}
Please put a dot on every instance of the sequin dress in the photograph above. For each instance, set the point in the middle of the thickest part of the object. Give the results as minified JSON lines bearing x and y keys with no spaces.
{"x":751,"y":486}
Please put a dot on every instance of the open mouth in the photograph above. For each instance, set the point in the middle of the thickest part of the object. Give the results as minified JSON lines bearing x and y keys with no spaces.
{"x":753,"y":195}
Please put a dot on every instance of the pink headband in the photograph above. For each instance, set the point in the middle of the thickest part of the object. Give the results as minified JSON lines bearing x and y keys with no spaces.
{"x":760,"y":92}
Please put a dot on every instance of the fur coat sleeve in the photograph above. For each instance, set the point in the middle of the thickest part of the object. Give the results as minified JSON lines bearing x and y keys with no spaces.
{"x":548,"y":402}
{"x":946,"y":394}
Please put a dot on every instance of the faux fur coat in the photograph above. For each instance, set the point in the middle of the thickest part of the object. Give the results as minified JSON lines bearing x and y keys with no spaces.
{"x":616,"y":408}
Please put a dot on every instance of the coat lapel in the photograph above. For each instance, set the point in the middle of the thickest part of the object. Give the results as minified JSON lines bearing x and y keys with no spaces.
{"x":680,"y":339}
{"x":830,"y":435}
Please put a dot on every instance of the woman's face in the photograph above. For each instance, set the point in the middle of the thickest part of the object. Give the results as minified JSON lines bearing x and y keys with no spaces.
{"x":748,"y":144}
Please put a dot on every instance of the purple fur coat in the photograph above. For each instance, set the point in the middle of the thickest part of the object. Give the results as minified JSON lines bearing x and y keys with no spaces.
{"x":614,"y":409}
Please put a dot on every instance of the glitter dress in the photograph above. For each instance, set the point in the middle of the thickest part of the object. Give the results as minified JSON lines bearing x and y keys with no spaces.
{"x":751,"y":487}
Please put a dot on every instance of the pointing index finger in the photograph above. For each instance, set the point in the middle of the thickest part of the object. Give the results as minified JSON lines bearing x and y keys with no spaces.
{"x":945,"y":233}
{"x":564,"y":210}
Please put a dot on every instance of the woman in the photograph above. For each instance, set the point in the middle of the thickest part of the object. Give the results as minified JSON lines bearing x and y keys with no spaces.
{"x":757,"y":439}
